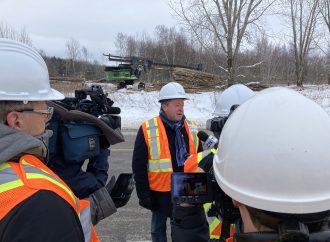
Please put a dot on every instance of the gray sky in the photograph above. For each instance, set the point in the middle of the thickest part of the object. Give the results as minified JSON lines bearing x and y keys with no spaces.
{"x":94,"y":23}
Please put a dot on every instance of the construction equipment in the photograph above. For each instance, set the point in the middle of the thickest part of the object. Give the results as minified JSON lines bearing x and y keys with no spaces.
{"x":131,"y":67}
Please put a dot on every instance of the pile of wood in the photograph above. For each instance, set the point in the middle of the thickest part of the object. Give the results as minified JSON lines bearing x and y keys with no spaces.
{"x":256,"y":86}
{"x":193,"y":80}
{"x":67,"y":79}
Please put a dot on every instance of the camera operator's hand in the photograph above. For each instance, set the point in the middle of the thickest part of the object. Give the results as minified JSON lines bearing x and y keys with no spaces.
{"x":110,"y":187}
{"x":146,"y":203}
{"x":102,"y":205}
{"x":207,"y":162}
{"x":125,"y":189}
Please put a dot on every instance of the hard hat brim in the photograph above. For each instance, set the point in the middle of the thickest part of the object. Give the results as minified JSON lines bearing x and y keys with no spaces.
{"x":52,"y":94}
{"x":167,"y":99}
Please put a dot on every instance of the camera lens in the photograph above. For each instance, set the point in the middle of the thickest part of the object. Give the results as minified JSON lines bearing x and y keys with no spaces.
{"x":214,"y":124}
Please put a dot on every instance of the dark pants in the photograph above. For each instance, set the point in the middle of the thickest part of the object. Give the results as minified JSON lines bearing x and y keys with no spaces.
{"x":189,"y":224}
{"x":158,"y":227}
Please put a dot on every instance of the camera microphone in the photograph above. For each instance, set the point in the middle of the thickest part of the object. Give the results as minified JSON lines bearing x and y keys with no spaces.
{"x":209,"y":140}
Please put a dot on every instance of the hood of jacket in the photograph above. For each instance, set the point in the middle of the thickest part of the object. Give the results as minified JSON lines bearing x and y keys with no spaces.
{"x":14,"y":144}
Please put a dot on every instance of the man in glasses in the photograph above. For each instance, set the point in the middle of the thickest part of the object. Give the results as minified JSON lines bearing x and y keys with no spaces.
{"x":36,"y":205}
{"x":38,"y":115}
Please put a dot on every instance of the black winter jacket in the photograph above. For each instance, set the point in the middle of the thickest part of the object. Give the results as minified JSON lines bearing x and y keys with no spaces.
{"x":161,"y":201}
{"x":42,"y":217}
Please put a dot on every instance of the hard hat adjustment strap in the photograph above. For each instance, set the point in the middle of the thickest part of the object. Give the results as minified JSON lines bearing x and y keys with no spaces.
{"x":287,"y":231}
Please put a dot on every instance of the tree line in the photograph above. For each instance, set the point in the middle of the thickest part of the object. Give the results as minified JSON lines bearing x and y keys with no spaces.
{"x":77,"y":66}
{"x":228,"y":37}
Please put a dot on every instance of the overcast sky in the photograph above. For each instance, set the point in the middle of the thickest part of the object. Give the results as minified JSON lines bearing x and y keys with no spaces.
{"x":94,"y":23}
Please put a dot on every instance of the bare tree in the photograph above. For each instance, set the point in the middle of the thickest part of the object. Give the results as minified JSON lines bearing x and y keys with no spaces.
{"x":85,"y":54}
{"x":8,"y":32}
{"x":121,"y":43}
{"x":73,"y":51}
{"x":325,"y":12}
{"x":303,"y":17}
{"x":221,"y":25}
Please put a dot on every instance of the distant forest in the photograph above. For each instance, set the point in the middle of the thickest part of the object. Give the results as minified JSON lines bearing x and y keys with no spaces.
{"x":262,"y":62}
{"x":231,"y":39}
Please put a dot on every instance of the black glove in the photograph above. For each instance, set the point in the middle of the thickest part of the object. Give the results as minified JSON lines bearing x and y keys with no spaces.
{"x":102,"y":206}
{"x":146,"y":203}
{"x":121,"y":190}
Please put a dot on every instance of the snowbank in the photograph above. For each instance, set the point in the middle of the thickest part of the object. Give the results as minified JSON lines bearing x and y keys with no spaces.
{"x":138,"y":106}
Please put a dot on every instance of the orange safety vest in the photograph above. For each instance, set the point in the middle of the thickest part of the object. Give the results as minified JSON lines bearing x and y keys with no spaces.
{"x":215,"y":226}
{"x":159,"y":156}
{"x":19,"y":181}
{"x":191,"y":163}
{"x":214,"y":223}
{"x":230,"y":239}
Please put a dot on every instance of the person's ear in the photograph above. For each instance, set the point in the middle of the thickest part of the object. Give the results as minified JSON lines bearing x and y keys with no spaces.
{"x":164,"y":106}
{"x":237,"y":203}
{"x":14,"y":120}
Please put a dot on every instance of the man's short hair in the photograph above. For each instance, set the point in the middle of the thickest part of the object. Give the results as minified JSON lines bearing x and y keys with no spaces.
{"x":164,"y":101}
{"x":8,"y":106}
{"x":314,"y":221}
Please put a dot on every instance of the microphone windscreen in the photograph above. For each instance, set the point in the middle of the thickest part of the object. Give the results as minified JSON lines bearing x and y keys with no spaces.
{"x":202,"y":136}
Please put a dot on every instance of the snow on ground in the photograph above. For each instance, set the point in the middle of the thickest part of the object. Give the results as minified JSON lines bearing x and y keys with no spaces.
{"x":138,"y":106}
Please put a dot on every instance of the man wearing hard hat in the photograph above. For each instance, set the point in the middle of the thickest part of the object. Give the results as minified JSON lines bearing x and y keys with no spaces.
{"x":274,"y":163}
{"x":161,"y":147}
{"x":36,"y":205}
{"x":228,"y":100}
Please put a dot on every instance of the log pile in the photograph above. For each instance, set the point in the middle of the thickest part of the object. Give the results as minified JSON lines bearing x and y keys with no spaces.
{"x":256,"y":86}
{"x":193,"y":80}
{"x":67,"y":79}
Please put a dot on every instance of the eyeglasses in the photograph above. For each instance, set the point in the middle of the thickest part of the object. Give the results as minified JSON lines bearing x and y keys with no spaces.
{"x":47,"y":112}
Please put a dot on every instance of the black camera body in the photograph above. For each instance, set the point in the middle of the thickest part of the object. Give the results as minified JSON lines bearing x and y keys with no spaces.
{"x":193,"y":188}
{"x":216,"y":124}
{"x":95,"y":102}
{"x":200,"y":188}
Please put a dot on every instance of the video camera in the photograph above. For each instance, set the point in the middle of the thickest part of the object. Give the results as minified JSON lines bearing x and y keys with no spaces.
{"x":200,"y":188}
{"x":84,"y":126}
{"x":98,"y":105}
{"x":216,"y":124}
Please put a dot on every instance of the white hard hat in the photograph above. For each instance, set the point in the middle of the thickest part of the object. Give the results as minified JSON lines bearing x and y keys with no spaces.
{"x":233,"y":95}
{"x":23,"y":74}
{"x":274,"y":154}
{"x":172,"y":90}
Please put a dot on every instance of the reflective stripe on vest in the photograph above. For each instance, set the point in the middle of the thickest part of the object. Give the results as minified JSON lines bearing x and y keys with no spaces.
{"x":193,"y":130}
{"x":153,"y":138}
{"x":8,"y":178}
{"x":85,"y":220}
{"x":191,"y":164}
{"x":161,"y":165}
{"x":214,"y":223}
{"x":159,"y":156}
{"x":18,"y":181}
{"x":33,"y":172}
{"x":155,"y":163}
